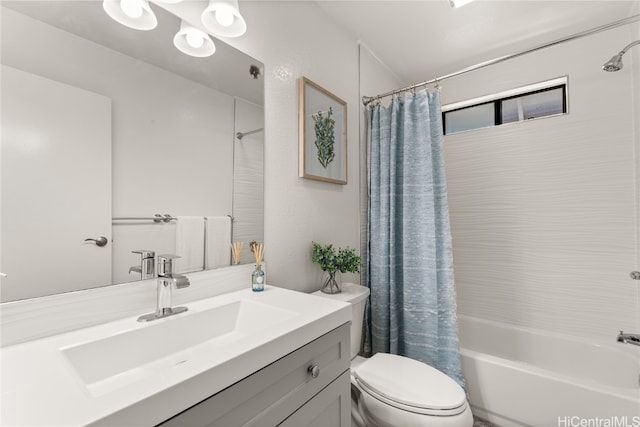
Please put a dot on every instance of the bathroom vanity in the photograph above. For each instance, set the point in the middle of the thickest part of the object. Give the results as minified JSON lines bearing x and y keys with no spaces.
{"x":309,"y":385}
{"x":276,"y":357}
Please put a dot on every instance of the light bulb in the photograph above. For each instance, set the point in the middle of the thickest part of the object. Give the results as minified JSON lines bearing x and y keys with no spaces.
{"x":131,"y":8}
{"x":194,"y":39}
{"x":224,"y":16}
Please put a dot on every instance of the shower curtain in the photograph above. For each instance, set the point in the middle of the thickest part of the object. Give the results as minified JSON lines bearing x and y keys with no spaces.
{"x":412,"y":308}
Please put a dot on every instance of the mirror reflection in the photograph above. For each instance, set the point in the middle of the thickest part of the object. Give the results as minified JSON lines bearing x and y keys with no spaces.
{"x":115,"y":144}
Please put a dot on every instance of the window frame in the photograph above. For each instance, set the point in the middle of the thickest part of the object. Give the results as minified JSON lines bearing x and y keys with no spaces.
{"x":497,"y":99}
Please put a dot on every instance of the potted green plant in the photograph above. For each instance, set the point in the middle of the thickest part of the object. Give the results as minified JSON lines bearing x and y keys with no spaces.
{"x":331,"y":261}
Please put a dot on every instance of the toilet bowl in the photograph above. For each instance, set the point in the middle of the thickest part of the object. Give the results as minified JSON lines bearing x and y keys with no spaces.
{"x":388,"y":390}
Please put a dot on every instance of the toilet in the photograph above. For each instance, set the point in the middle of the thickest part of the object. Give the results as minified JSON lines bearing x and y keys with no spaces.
{"x":388,"y":390}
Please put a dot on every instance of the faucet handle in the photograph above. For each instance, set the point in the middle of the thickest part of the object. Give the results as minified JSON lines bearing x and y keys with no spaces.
{"x":147,"y":262}
{"x":144,"y":253}
{"x":181,"y":281}
{"x":165,"y":263}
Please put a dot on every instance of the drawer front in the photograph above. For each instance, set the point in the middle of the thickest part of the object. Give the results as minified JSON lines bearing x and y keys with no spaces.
{"x":270,"y":395}
{"x":331,"y":407}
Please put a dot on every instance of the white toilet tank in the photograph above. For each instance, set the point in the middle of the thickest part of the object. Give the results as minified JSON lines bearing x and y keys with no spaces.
{"x":357,"y":296}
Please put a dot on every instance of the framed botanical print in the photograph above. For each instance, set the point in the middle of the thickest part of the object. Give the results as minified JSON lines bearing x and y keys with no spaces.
{"x":323,"y":134}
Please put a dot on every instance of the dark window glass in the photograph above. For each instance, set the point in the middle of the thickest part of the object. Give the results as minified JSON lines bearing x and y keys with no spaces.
{"x":526,"y":106}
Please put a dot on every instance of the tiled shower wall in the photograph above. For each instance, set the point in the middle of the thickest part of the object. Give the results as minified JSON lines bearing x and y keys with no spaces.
{"x":543,"y":213}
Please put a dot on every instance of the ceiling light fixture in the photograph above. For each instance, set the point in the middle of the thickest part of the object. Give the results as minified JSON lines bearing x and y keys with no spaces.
{"x":222,"y":17}
{"x":193,"y":41}
{"x":134,"y":14}
{"x":459,"y":3}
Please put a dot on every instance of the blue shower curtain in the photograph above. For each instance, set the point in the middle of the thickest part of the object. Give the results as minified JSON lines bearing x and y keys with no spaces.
{"x":412,"y":309}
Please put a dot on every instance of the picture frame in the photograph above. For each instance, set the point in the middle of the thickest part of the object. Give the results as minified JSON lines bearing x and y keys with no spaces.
{"x":323,"y":134}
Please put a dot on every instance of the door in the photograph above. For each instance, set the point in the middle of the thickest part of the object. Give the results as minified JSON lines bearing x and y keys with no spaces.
{"x":56,"y":187}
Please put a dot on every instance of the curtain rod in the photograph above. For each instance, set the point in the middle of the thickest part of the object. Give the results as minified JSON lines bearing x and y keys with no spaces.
{"x":368,"y":99}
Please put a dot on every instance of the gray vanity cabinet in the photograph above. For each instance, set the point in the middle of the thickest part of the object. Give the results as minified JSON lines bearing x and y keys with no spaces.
{"x":308,"y":387}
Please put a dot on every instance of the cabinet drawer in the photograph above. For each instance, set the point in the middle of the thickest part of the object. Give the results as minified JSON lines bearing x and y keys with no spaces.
{"x":330,"y":407}
{"x":271,"y":394}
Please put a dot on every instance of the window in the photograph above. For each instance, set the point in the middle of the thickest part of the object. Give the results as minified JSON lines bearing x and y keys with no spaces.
{"x":526,"y":103}
{"x":467,"y":118}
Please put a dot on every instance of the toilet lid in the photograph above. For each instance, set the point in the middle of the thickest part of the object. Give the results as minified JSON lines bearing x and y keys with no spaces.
{"x":404,"y":382}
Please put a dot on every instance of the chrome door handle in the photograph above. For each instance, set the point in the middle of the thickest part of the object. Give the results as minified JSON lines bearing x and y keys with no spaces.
{"x":102,"y":241}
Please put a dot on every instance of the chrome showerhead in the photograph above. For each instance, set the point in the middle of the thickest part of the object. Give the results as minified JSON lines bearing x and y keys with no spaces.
{"x":615,"y":63}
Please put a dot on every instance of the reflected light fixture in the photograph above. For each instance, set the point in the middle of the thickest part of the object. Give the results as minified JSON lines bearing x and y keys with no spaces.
{"x":134,"y":14}
{"x":222,"y":17}
{"x":459,"y":3}
{"x":193,"y":41}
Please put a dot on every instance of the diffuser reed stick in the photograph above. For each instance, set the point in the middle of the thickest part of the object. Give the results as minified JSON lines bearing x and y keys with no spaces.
{"x":258,"y":251}
{"x":236,"y":251}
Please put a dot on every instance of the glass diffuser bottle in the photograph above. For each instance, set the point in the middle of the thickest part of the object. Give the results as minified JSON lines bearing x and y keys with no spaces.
{"x":257,"y":277}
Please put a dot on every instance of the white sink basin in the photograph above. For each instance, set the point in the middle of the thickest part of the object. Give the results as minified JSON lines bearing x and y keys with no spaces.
{"x":125,"y":372}
{"x":114,"y":361}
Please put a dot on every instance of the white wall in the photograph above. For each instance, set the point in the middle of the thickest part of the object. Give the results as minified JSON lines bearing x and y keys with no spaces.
{"x":248,"y":178}
{"x":295,"y":39}
{"x":543,"y":213}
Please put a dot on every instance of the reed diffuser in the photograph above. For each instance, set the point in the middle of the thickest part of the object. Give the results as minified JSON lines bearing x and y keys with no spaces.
{"x":236,"y":251}
{"x":257,"y":277}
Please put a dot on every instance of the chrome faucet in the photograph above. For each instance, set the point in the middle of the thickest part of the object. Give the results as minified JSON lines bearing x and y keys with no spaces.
{"x":629,"y":338}
{"x":147,"y":264}
{"x":166,"y":282}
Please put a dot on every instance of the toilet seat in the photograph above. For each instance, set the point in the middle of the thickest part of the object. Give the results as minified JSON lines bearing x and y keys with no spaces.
{"x":410,"y":385}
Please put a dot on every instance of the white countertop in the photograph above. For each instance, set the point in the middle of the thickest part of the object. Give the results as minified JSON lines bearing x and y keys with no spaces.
{"x":40,"y":387}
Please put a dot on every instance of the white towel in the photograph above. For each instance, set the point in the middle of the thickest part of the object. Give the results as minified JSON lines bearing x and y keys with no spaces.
{"x":189,"y":244}
{"x":217,"y":242}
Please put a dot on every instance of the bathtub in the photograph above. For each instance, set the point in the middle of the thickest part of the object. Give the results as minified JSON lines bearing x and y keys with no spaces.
{"x":524,"y":377}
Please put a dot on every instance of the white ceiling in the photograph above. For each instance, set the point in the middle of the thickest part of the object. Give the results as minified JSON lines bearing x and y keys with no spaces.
{"x":416,"y":39}
{"x":422,"y":39}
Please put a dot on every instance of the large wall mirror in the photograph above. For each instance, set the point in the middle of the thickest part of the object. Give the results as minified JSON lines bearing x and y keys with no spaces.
{"x":104,"y":128}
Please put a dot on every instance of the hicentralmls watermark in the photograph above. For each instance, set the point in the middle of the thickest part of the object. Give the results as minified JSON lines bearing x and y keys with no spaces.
{"x":614,"y":421}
